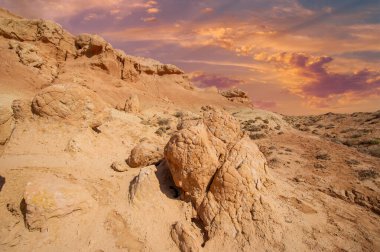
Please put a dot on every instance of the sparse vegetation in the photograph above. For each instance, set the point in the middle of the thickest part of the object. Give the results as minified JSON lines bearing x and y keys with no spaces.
{"x":367,"y":174}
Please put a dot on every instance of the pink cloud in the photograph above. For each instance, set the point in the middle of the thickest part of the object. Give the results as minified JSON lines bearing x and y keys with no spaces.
{"x":265,"y":104}
{"x":319,"y":81}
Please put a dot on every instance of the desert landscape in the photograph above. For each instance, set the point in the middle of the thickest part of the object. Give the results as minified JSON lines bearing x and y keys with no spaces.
{"x":105,"y":151}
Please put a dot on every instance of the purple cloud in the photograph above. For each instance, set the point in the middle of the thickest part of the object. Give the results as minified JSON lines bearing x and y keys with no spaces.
{"x":221,"y":82}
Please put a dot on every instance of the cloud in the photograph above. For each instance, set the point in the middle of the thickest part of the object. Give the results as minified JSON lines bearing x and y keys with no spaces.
{"x":208,"y":80}
{"x":152,"y":10}
{"x":319,"y":82}
{"x":149,"y":19}
{"x":264,"y":104}
{"x":207,"y":10}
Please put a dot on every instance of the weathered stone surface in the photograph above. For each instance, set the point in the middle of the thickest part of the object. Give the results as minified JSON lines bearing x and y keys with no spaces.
{"x":141,"y":186}
{"x":51,"y":197}
{"x":132,"y":104}
{"x":219,"y":171}
{"x":21,"y":109}
{"x":27,"y":53}
{"x":7,"y":124}
{"x":186,"y":237}
{"x":91,"y":45}
{"x":70,"y":102}
{"x":236,"y":95}
{"x":144,"y":154}
{"x":119,"y":166}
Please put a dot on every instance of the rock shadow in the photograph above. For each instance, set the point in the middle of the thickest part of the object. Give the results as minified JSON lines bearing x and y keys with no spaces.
{"x":167,"y":185}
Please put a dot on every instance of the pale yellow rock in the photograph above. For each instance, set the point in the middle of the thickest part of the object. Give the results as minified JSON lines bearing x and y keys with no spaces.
{"x":51,"y":197}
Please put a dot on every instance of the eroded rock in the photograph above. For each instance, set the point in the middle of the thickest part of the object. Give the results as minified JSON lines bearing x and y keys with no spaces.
{"x":7,"y":124}
{"x":70,"y":102}
{"x":51,"y":197}
{"x":144,"y":154}
{"x":186,"y":237}
{"x":220,"y":171}
{"x":236,"y":95}
{"x":132,"y":104}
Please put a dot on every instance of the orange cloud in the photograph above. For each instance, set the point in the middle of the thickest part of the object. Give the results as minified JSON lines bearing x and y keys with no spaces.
{"x":152,"y":10}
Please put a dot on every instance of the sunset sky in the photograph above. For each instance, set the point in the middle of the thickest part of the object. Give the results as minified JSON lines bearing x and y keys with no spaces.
{"x":291,"y":56}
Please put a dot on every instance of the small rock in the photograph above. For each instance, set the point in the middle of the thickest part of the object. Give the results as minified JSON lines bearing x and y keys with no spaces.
{"x":119,"y":166}
{"x":144,"y":154}
{"x":132,"y":104}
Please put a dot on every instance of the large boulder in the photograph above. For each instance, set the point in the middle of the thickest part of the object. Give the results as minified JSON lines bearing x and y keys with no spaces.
{"x":70,"y":102}
{"x":219,"y":171}
{"x":51,"y":197}
{"x":195,"y":153}
{"x":144,"y":154}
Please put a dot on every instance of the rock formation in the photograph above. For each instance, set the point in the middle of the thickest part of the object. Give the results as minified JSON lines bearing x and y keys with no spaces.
{"x":70,"y":102}
{"x":51,"y":197}
{"x":144,"y":154}
{"x":236,"y":95}
{"x":220,"y":172}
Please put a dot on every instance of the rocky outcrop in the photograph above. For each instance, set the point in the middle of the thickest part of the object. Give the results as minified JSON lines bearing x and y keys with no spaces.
{"x":220,"y":172}
{"x":144,"y":154}
{"x":37,"y":30}
{"x":91,"y":45}
{"x":69,"y":102}
{"x":51,"y":197}
{"x":27,"y":53}
{"x":236,"y":95}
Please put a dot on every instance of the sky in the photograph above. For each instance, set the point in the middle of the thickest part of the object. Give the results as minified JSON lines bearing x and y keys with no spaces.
{"x":294,"y":57}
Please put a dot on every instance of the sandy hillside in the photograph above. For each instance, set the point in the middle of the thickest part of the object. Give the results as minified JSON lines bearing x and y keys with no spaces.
{"x":103,"y":151}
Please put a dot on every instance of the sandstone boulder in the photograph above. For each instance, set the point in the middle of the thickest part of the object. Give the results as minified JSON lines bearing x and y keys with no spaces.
{"x":51,"y":197}
{"x":220,"y":171}
{"x":119,"y":166}
{"x":70,"y":102}
{"x":144,"y":154}
{"x":90,"y":45}
{"x":195,"y":153}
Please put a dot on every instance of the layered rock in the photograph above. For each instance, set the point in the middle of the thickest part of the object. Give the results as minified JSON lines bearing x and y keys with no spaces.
{"x":51,"y":197}
{"x":69,"y":102}
{"x":220,"y":172}
{"x":236,"y":95}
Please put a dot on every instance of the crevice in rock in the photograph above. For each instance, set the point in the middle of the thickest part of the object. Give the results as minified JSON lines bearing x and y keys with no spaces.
{"x":96,"y":129}
{"x":2,"y":182}
{"x":198,"y":222}
{"x":23,"y":209}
